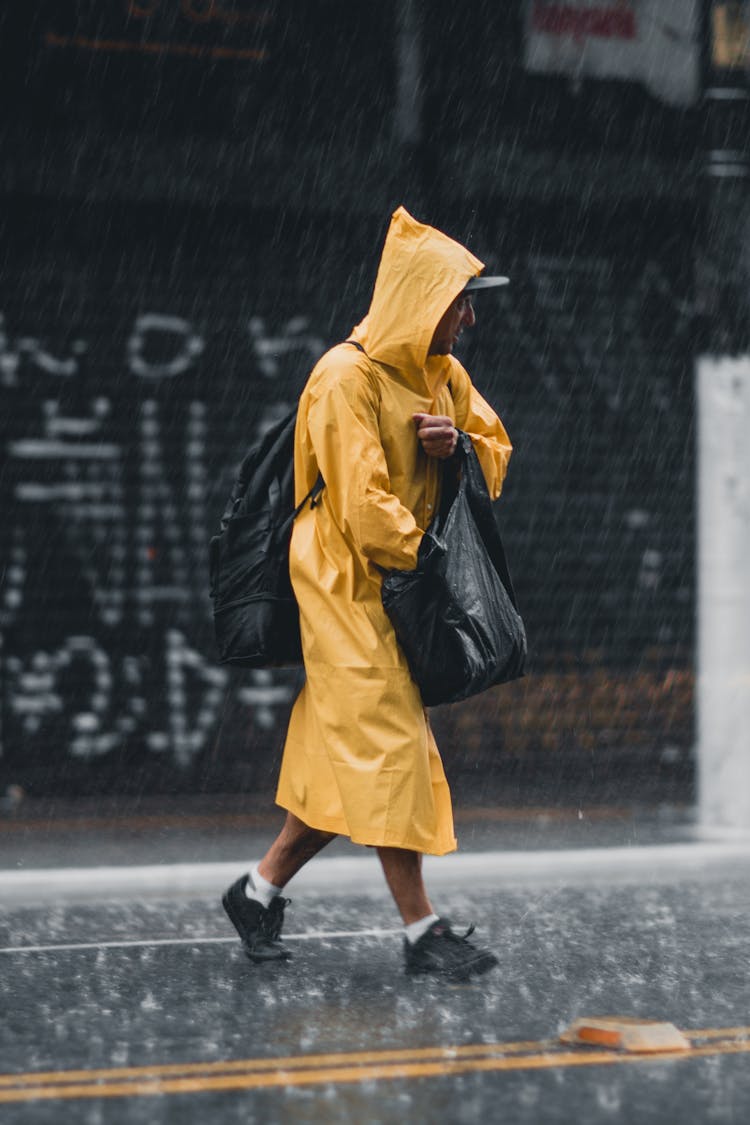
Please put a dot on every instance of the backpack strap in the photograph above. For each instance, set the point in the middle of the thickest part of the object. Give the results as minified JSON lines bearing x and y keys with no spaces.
{"x":312,"y":496}
{"x":320,"y":484}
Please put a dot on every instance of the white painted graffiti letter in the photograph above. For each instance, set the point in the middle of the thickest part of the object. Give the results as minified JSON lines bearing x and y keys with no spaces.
{"x":191,"y":682}
{"x":36,"y":693}
{"x":190,"y":346}
{"x":10,"y":356}
{"x":294,"y":336}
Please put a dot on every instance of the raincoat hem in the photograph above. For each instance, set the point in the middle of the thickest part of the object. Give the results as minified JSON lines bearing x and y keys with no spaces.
{"x":372,"y":840}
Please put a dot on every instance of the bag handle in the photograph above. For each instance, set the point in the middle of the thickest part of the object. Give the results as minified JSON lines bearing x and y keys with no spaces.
{"x":481,"y":508}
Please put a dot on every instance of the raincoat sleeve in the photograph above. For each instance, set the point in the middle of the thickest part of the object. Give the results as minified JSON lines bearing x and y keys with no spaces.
{"x":343,"y":428}
{"x":477,"y":418}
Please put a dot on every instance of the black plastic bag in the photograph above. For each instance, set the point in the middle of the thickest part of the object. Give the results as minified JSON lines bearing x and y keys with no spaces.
{"x":455,"y":616}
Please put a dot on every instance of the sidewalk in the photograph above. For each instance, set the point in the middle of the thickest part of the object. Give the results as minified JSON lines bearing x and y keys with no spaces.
{"x":97,"y":849}
{"x":93,"y":832}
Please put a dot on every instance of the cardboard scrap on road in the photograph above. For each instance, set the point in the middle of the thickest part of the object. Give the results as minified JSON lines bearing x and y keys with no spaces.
{"x":624,"y":1033}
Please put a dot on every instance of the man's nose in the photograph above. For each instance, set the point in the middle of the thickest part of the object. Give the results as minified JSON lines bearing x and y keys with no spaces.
{"x":469,"y":318}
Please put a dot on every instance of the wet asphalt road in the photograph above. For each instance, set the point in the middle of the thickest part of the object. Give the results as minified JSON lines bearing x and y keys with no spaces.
{"x":278,"y":1043}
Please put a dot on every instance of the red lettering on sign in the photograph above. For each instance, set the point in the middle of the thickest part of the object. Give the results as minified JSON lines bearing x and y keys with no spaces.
{"x":566,"y":19}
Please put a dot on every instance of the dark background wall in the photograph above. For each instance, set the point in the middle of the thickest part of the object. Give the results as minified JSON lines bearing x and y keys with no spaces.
{"x":193,"y":204}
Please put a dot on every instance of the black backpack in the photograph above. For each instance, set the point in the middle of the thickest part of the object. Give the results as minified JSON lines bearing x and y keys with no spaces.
{"x":256,"y":616}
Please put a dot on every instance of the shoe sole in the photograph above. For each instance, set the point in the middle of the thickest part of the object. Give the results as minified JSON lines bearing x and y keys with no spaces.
{"x":476,"y":968}
{"x":258,"y":958}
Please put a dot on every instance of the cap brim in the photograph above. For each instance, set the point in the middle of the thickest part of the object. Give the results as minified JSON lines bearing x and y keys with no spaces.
{"x":491,"y":282}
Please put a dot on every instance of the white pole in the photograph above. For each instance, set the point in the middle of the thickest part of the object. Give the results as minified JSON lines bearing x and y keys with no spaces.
{"x":723,"y":651}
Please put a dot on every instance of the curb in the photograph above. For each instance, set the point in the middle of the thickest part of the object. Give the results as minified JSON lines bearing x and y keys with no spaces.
{"x":653,"y":864}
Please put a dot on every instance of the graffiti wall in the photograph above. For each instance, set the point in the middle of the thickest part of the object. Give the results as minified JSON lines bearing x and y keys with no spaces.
{"x":142,"y":351}
{"x":135,"y":368}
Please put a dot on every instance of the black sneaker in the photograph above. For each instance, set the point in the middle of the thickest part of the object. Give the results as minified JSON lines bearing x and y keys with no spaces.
{"x":446,"y":953}
{"x":259,"y":927}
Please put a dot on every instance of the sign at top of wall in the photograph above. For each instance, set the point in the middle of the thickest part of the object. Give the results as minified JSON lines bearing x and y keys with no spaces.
{"x":730,"y":27}
{"x":653,"y":42}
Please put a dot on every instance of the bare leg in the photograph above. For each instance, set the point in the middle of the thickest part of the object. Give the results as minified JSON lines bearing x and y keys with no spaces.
{"x":290,"y":851}
{"x":403,"y":874}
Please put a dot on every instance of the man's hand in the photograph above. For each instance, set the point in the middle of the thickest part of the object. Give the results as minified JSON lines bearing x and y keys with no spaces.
{"x":437,"y":434}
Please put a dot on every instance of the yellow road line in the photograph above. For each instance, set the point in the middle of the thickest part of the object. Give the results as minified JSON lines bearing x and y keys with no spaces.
{"x":362,"y":1066}
{"x":718,"y":1033}
{"x":346,"y":1058}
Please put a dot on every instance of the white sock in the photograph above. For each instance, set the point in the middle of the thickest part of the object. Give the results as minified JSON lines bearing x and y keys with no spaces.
{"x":415,"y":930}
{"x":260,"y":889}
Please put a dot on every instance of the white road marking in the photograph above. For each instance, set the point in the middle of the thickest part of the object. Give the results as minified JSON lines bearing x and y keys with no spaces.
{"x":312,"y":935}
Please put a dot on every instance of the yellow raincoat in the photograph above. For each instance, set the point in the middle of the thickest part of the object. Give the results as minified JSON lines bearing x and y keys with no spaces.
{"x":360,"y":758}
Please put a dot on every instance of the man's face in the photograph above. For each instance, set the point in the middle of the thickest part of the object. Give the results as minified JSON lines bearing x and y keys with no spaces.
{"x":458,"y":315}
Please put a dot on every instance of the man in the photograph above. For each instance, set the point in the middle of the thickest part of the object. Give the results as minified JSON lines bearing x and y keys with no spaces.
{"x":378,"y":415}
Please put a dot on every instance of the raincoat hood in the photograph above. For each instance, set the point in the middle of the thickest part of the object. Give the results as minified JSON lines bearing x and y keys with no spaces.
{"x":421,"y":271}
